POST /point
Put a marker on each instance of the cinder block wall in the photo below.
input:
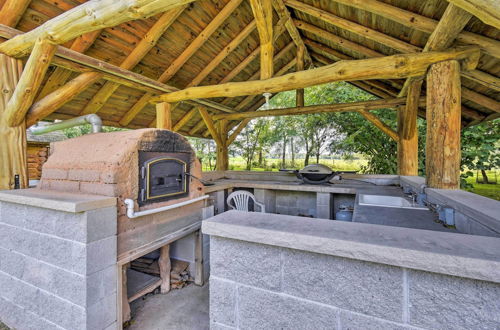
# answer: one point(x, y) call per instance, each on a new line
point(57, 269)
point(256, 286)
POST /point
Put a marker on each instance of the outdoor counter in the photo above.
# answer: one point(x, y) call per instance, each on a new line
point(271, 269)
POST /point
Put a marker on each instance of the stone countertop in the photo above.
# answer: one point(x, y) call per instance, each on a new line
point(389, 216)
point(468, 256)
point(349, 187)
point(56, 200)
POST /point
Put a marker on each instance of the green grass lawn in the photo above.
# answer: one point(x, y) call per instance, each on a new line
point(488, 190)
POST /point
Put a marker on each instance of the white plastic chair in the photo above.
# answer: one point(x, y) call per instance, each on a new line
point(241, 198)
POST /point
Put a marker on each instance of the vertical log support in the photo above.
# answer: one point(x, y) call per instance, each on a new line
point(165, 268)
point(12, 139)
point(299, 98)
point(222, 148)
point(408, 132)
point(443, 125)
point(263, 13)
point(164, 115)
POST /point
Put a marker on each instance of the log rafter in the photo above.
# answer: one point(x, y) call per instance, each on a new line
point(77, 62)
point(149, 40)
point(335, 55)
point(277, 32)
point(12, 11)
point(284, 13)
point(421, 23)
point(87, 17)
point(186, 54)
point(263, 13)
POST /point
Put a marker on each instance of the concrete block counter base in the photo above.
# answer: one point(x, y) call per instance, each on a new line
point(273, 271)
point(57, 260)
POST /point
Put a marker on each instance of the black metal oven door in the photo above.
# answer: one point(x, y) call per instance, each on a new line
point(163, 177)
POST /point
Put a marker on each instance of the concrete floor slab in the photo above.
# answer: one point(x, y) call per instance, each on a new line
point(181, 309)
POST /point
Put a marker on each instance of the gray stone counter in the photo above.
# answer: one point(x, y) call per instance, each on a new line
point(57, 260)
point(448, 253)
point(281, 272)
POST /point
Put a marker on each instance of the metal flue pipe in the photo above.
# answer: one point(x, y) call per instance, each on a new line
point(92, 119)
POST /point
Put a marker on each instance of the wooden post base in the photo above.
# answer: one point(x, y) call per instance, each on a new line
point(443, 125)
point(12, 139)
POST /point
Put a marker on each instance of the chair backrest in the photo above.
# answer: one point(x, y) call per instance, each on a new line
point(241, 198)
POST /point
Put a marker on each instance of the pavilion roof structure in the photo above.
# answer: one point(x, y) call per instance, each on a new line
point(120, 69)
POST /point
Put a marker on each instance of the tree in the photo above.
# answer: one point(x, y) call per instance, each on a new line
point(480, 148)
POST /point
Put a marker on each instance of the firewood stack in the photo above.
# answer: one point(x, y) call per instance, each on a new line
point(179, 274)
point(37, 156)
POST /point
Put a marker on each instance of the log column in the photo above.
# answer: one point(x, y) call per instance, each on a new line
point(222, 147)
point(164, 115)
point(12, 139)
point(443, 125)
point(408, 132)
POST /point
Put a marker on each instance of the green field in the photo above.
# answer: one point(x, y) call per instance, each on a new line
point(238, 164)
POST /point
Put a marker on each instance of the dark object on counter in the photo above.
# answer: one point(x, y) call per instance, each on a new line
point(316, 174)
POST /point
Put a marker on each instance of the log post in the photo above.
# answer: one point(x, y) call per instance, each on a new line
point(222, 148)
point(165, 268)
point(164, 116)
point(408, 132)
point(13, 143)
point(299, 97)
point(443, 125)
point(125, 305)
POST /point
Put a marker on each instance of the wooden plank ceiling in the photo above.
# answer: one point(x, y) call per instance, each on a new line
point(215, 41)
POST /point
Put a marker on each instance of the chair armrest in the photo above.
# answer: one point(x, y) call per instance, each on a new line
point(262, 207)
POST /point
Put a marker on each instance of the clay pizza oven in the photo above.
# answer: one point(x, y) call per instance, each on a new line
point(152, 167)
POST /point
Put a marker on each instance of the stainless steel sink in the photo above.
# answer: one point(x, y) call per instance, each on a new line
point(388, 201)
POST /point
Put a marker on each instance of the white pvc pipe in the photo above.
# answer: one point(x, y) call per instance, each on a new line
point(132, 214)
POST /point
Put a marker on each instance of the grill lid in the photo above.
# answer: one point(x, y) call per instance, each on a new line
point(316, 169)
point(316, 174)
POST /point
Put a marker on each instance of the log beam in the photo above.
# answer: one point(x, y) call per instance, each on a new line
point(487, 11)
point(185, 119)
point(263, 13)
point(341, 107)
point(12, 11)
point(379, 124)
point(408, 132)
point(443, 126)
point(210, 125)
point(389, 67)
point(60, 75)
point(61, 96)
point(87, 17)
point(12, 139)
point(29, 83)
point(164, 116)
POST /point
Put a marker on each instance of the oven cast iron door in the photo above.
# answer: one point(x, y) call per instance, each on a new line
point(163, 176)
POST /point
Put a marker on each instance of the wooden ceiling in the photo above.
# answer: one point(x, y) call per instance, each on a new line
point(215, 41)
